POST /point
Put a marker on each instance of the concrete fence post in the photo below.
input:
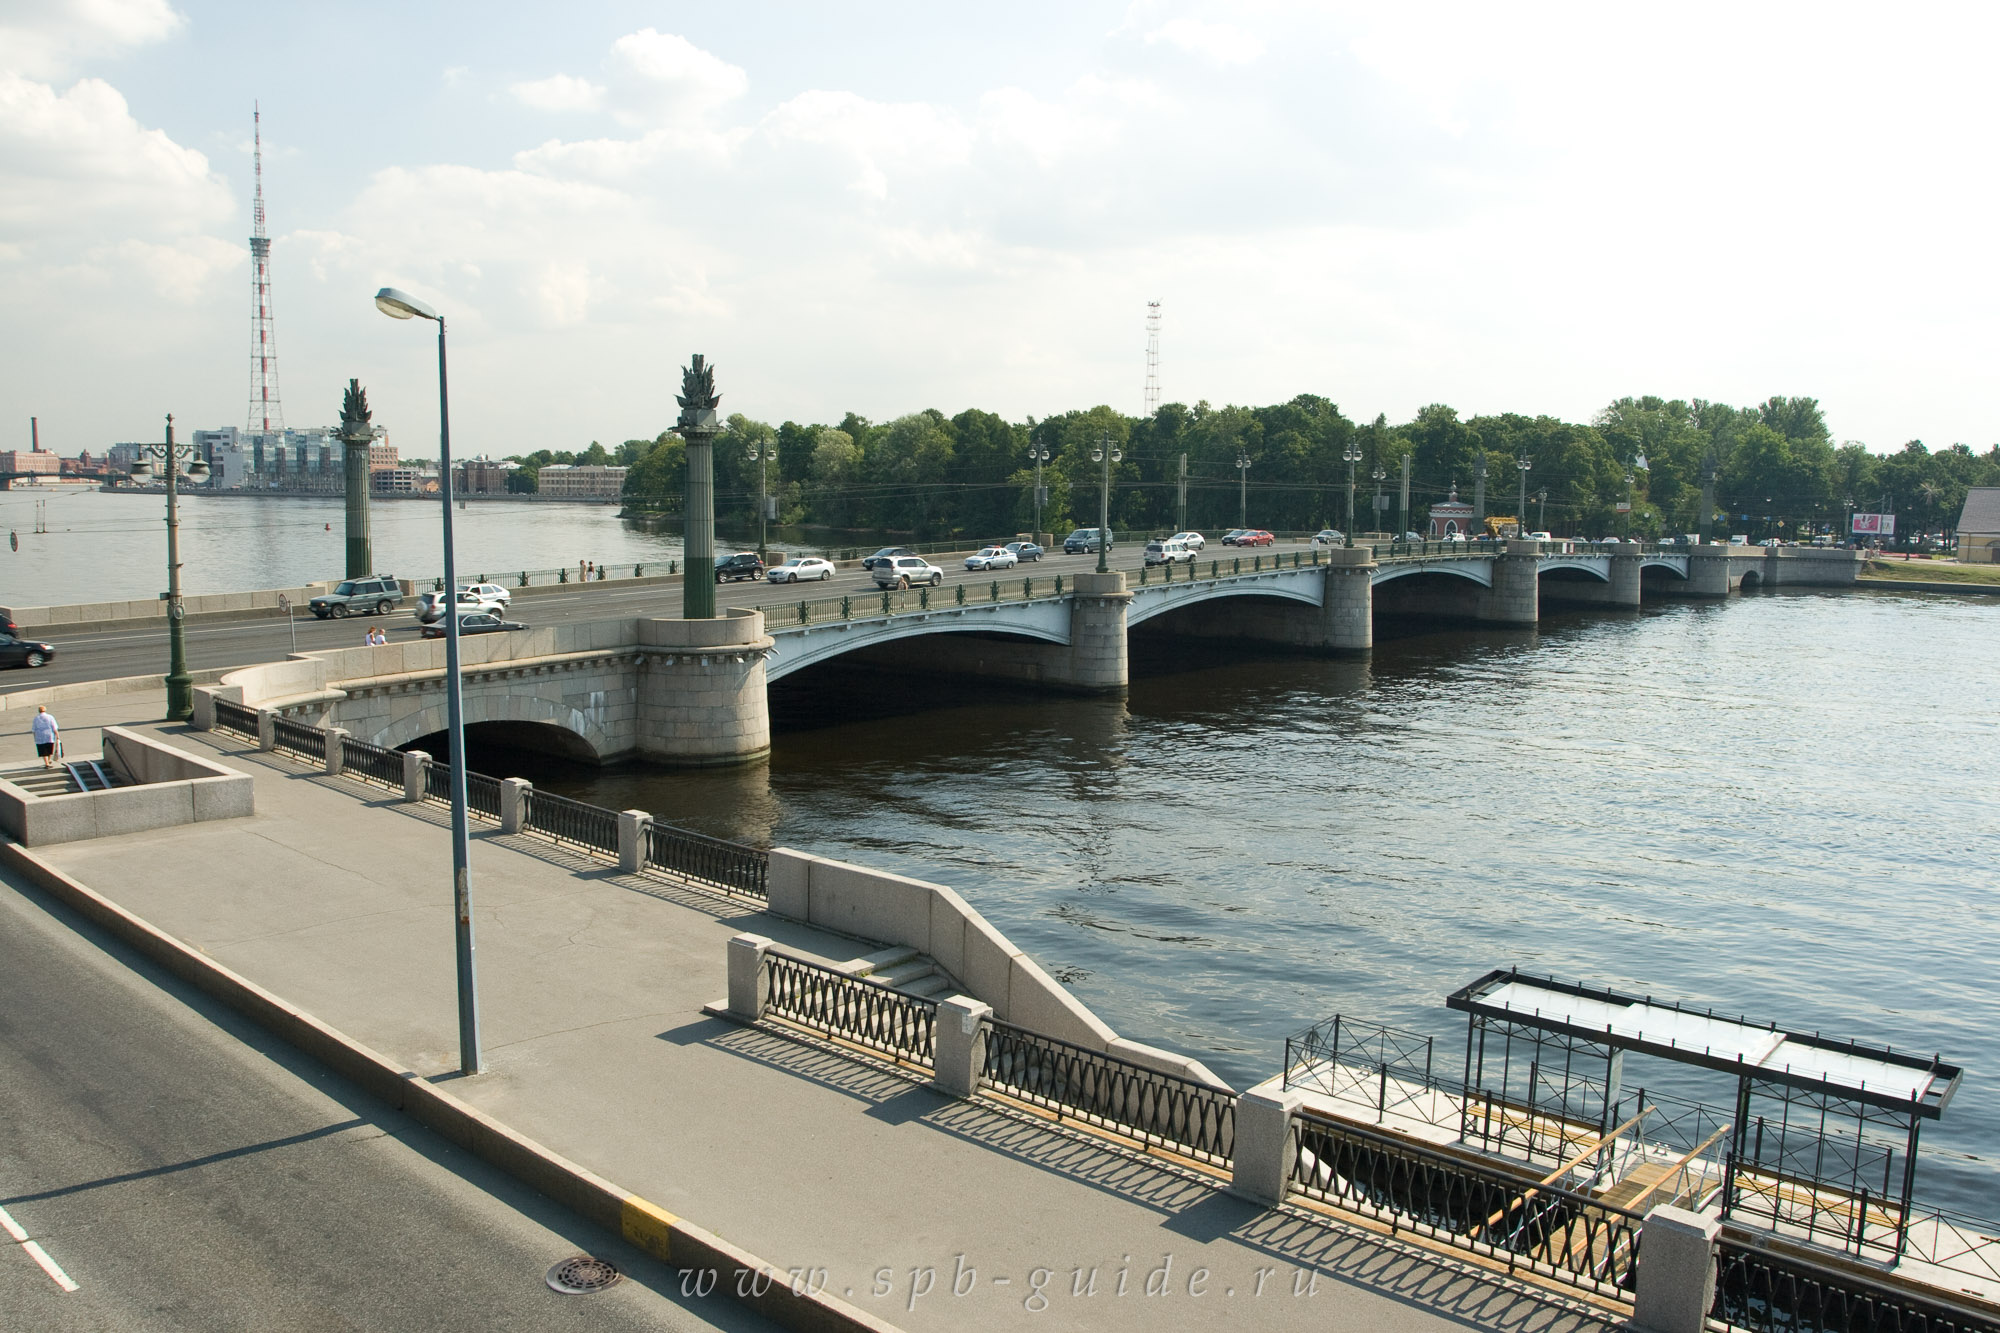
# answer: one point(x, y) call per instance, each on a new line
point(204, 711)
point(960, 1056)
point(632, 839)
point(749, 979)
point(513, 803)
point(1676, 1270)
point(336, 757)
point(415, 774)
point(267, 729)
point(1264, 1145)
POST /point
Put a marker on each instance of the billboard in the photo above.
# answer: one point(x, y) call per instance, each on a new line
point(1874, 525)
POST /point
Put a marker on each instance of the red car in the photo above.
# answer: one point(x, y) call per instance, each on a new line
point(1252, 537)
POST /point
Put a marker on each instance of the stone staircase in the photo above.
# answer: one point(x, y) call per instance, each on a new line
point(903, 969)
point(60, 780)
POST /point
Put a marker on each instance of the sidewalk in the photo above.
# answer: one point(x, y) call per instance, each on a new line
point(931, 1213)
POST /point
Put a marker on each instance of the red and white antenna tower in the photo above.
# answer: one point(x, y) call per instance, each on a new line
point(267, 414)
point(1152, 359)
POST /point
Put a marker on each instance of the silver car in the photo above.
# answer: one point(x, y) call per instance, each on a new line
point(904, 570)
point(992, 557)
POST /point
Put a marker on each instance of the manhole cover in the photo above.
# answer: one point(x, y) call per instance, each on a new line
point(582, 1275)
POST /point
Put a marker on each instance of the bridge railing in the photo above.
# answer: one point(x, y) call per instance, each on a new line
point(830, 1001)
point(236, 718)
point(571, 821)
point(1761, 1291)
point(307, 742)
point(714, 861)
point(1009, 587)
point(371, 763)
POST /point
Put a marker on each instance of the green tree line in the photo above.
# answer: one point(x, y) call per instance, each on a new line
point(1777, 470)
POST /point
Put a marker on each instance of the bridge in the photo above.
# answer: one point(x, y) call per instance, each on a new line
point(694, 692)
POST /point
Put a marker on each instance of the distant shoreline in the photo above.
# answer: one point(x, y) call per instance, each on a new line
point(341, 498)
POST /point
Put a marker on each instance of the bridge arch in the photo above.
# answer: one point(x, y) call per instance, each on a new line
point(800, 647)
point(1591, 566)
point(499, 706)
point(1287, 586)
point(1473, 571)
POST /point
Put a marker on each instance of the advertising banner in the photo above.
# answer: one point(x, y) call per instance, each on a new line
point(1874, 525)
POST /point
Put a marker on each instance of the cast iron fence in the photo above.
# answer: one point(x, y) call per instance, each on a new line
point(372, 763)
point(1160, 1109)
point(482, 794)
point(1552, 1231)
point(696, 856)
point(565, 820)
point(862, 1012)
point(1763, 1292)
point(297, 738)
point(235, 717)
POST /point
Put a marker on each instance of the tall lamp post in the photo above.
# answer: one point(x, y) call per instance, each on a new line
point(396, 305)
point(1106, 453)
point(1629, 479)
point(1542, 510)
point(1242, 488)
point(1038, 454)
point(180, 686)
point(1521, 512)
point(1380, 477)
point(762, 456)
point(1353, 455)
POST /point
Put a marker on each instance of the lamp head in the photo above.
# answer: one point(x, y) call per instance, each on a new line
point(397, 305)
point(141, 470)
point(197, 470)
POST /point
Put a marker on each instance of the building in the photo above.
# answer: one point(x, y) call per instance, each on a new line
point(1979, 526)
point(482, 476)
point(402, 481)
point(24, 460)
point(381, 454)
point(1450, 516)
point(580, 482)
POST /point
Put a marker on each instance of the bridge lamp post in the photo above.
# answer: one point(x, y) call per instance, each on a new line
point(1106, 453)
point(1380, 476)
point(180, 686)
point(396, 305)
point(1353, 455)
point(1038, 455)
point(763, 456)
point(1523, 463)
point(1542, 510)
point(1629, 479)
point(1242, 489)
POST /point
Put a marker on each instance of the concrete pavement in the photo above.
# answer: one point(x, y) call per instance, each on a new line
point(924, 1211)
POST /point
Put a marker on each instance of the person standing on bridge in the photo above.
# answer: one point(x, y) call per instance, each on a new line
point(47, 736)
point(376, 638)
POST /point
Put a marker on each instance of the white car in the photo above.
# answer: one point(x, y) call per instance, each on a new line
point(992, 557)
point(1192, 540)
point(905, 570)
point(430, 605)
point(487, 592)
point(801, 567)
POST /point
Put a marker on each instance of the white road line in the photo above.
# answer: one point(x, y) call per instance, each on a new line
point(36, 1252)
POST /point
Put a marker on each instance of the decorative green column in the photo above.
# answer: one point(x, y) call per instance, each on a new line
point(355, 438)
point(699, 425)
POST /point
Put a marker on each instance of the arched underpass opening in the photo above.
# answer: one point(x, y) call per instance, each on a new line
point(1414, 605)
point(920, 674)
point(538, 751)
point(1218, 631)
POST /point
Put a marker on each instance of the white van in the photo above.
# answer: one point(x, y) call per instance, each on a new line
point(1172, 551)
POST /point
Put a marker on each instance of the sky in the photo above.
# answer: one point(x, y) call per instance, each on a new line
point(884, 207)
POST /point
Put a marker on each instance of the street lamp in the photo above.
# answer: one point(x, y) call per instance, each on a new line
point(1106, 453)
point(1380, 476)
point(398, 306)
point(762, 456)
point(1038, 455)
point(1353, 455)
point(1523, 463)
point(1242, 488)
point(1629, 479)
point(180, 686)
point(1542, 510)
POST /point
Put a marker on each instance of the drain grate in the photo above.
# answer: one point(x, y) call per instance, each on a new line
point(582, 1275)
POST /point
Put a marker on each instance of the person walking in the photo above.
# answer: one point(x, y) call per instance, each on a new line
point(376, 638)
point(47, 736)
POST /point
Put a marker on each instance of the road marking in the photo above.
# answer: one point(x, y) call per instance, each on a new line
point(36, 1252)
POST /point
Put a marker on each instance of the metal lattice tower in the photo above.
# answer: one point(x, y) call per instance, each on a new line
point(267, 414)
point(1152, 358)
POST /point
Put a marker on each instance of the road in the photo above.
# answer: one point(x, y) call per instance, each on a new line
point(183, 1170)
point(106, 654)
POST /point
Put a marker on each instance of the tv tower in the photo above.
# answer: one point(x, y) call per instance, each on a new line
point(1152, 359)
point(266, 413)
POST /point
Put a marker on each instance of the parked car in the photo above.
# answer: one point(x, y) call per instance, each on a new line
point(742, 565)
point(904, 570)
point(886, 553)
point(473, 622)
point(430, 605)
point(800, 568)
point(24, 652)
point(1193, 540)
point(1329, 537)
point(1171, 551)
point(378, 594)
point(488, 592)
point(1084, 541)
point(992, 557)
point(1254, 537)
point(1025, 551)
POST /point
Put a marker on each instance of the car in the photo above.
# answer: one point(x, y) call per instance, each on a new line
point(1452, 537)
point(1084, 541)
point(800, 568)
point(1254, 537)
point(430, 605)
point(24, 652)
point(473, 622)
point(742, 565)
point(1329, 537)
point(886, 553)
point(488, 592)
point(1413, 536)
point(1194, 541)
point(1169, 551)
point(904, 570)
point(1025, 551)
point(378, 594)
point(1229, 537)
point(991, 558)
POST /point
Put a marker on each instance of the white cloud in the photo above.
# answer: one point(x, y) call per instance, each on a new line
point(1220, 43)
point(183, 271)
point(876, 138)
point(45, 38)
point(559, 92)
point(662, 77)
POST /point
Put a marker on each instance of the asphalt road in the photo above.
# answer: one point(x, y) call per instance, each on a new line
point(185, 1171)
point(106, 654)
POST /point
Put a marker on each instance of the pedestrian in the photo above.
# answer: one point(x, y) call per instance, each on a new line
point(582, 570)
point(376, 638)
point(47, 736)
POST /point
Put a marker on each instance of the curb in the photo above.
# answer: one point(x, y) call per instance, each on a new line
point(590, 1196)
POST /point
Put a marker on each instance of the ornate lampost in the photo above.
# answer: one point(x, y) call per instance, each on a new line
point(1038, 454)
point(1629, 479)
point(1479, 486)
point(1106, 453)
point(1353, 455)
point(1542, 510)
point(1380, 476)
point(180, 686)
point(1708, 470)
point(763, 456)
point(1242, 488)
point(699, 425)
point(356, 436)
point(1523, 463)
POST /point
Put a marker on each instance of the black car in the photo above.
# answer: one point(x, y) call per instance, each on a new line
point(742, 565)
point(476, 622)
point(24, 652)
point(886, 553)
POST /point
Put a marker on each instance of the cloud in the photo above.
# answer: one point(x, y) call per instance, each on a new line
point(1220, 43)
point(875, 138)
point(45, 38)
point(559, 92)
point(660, 77)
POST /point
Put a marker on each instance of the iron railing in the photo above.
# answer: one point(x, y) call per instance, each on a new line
point(696, 856)
point(859, 1011)
point(1955, 1242)
point(235, 717)
point(1567, 1236)
point(372, 763)
point(437, 782)
point(307, 742)
point(565, 820)
point(482, 794)
point(1159, 1109)
point(1763, 1292)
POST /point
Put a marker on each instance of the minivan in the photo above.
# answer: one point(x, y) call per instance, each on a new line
point(1084, 540)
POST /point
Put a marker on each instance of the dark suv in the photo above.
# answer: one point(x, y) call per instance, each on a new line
point(742, 565)
point(378, 593)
